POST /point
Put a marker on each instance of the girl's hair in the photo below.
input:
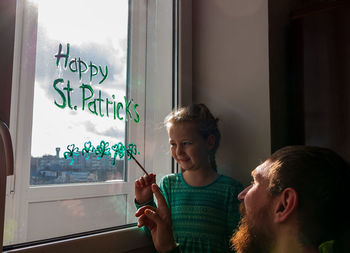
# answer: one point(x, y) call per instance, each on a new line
point(204, 121)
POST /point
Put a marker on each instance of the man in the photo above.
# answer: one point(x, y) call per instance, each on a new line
point(296, 203)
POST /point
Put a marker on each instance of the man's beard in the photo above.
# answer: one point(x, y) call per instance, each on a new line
point(253, 235)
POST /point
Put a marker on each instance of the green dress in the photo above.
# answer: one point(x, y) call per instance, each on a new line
point(203, 217)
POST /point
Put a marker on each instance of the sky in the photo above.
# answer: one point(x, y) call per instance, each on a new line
point(97, 33)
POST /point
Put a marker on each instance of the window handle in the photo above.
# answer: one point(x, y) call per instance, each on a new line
point(5, 138)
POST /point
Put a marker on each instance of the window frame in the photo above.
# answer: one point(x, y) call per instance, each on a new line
point(21, 116)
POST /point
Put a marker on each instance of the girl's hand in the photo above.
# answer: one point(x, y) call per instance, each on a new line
point(143, 190)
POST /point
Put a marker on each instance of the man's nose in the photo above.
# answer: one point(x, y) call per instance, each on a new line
point(242, 194)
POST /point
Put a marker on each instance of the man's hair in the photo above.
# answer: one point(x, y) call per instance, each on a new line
point(320, 178)
point(203, 119)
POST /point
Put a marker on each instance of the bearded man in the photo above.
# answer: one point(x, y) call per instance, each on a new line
point(295, 204)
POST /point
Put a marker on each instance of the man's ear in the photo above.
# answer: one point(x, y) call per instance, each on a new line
point(211, 141)
point(285, 205)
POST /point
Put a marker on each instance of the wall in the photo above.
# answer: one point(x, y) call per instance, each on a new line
point(231, 76)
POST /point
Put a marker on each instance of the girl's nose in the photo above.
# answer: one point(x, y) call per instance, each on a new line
point(179, 150)
point(242, 194)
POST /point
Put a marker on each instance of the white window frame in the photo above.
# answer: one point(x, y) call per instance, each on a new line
point(154, 71)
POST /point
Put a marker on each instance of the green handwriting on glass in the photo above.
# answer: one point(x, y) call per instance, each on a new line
point(101, 150)
point(90, 99)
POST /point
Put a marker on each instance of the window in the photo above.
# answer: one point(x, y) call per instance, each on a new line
point(92, 82)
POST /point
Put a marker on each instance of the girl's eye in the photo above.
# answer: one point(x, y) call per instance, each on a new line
point(172, 144)
point(187, 143)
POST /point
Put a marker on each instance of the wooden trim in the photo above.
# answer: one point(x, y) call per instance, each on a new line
point(318, 8)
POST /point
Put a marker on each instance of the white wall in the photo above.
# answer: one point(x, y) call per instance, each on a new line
point(231, 76)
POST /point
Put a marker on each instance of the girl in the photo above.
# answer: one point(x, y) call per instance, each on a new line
point(203, 203)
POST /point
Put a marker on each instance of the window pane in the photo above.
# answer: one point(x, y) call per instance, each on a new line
point(80, 97)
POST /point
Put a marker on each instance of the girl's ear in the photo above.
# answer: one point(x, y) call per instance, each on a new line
point(211, 141)
point(285, 205)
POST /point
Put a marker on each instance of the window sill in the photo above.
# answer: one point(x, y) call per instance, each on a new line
point(124, 240)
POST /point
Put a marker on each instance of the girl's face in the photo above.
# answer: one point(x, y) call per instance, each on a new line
point(188, 148)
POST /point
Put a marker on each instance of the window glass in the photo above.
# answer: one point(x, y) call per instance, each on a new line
point(80, 103)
